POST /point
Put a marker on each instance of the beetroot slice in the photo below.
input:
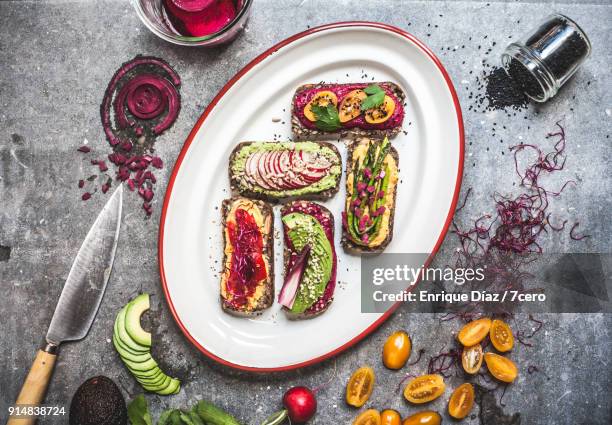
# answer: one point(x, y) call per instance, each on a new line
point(294, 278)
point(144, 100)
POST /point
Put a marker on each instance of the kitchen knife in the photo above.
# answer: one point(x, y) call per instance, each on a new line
point(78, 303)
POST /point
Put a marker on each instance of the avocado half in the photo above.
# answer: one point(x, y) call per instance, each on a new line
point(98, 401)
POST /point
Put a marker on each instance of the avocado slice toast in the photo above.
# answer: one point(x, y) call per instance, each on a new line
point(309, 279)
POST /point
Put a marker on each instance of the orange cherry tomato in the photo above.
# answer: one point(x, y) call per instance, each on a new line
point(322, 98)
point(360, 386)
point(390, 417)
point(501, 367)
point(501, 336)
point(350, 106)
point(474, 332)
point(461, 401)
point(471, 359)
point(369, 417)
point(427, 417)
point(381, 113)
point(396, 350)
point(423, 389)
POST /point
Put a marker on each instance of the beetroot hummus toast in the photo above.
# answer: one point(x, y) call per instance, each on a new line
point(309, 260)
point(247, 281)
point(275, 171)
point(333, 111)
point(371, 187)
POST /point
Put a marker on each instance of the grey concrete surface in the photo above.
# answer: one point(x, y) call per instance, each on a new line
point(56, 58)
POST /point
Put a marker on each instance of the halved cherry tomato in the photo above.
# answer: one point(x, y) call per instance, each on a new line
point(360, 386)
point(471, 359)
point(423, 389)
point(369, 417)
point(322, 98)
point(390, 417)
point(501, 336)
point(381, 113)
point(461, 401)
point(350, 107)
point(501, 367)
point(396, 350)
point(427, 417)
point(474, 332)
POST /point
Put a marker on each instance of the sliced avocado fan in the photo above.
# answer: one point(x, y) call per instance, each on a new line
point(133, 344)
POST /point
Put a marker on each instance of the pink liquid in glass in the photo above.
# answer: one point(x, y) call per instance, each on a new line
point(198, 18)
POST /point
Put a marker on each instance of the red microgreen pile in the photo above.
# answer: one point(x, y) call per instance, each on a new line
point(145, 101)
point(503, 242)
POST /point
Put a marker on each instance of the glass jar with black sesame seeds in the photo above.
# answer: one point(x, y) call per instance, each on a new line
point(542, 61)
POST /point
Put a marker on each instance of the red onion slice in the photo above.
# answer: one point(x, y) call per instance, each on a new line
point(294, 277)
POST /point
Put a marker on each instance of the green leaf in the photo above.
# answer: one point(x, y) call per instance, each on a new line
point(138, 411)
point(373, 89)
point(376, 96)
point(327, 117)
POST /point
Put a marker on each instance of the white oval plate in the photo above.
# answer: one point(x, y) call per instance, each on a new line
point(190, 240)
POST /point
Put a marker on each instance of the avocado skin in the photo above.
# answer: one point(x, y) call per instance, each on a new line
point(98, 401)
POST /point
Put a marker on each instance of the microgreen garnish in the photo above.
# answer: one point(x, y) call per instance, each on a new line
point(375, 98)
point(327, 117)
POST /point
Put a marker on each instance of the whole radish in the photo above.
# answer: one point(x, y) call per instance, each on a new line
point(301, 404)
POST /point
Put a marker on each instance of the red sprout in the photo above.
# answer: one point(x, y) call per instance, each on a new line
point(81, 184)
point(502, 242)
point(418, 359)
point(576, 237)
point(84, 149)
point(521, 337)
point(86, 196)
point(404, 379)
point(443, 362)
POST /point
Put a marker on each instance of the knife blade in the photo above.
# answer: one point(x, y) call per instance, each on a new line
point(86, 282)
point(78, 304)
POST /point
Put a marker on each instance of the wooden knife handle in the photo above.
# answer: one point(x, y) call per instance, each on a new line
point(35, 385)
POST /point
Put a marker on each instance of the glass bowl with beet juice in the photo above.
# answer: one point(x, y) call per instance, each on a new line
point(194, 22)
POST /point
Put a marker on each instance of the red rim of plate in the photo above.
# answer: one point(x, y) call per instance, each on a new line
point(203, 117)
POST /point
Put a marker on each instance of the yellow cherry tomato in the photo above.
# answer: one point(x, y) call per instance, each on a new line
point(390, 417)
point(501, 367)
point(396, 350)
point(474, 332)
point(471, 359)
point(423, 389)
point(322, 98)
point(461, 401)
point(381, 113)
point(426, 417)
point(501, 336)
point(360, 386)
point(369, 417)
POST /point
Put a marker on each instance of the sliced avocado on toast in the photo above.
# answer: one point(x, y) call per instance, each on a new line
point(133, 344)
point(308, 230)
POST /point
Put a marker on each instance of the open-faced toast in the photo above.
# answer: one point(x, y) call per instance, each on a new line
point(334, 111)
point(275, 171)
point(309, 260)
point(247, 278)
point(371, 188)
